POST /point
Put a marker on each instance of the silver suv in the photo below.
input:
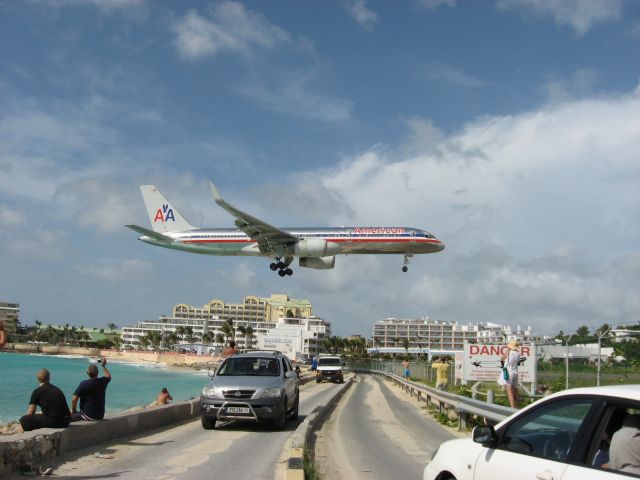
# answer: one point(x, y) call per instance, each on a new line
point(255, 386)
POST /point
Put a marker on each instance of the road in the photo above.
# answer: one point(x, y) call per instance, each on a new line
point(377, 432)
point(233, 450)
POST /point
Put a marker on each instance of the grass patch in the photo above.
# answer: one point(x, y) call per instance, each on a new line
point(310, 471)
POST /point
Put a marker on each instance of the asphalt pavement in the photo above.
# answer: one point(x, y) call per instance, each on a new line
point(232, 450)
point(377, 432)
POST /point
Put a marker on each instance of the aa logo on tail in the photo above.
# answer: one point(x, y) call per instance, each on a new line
point(164, 214)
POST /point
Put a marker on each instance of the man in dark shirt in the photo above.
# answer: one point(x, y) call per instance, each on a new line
point(55, 411)
point(91, 393)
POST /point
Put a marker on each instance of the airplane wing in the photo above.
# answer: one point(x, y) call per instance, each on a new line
point(150, 233)
point(270, 239)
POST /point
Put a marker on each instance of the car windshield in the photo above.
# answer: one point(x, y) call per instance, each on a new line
point(329, 362)
point(258, 366)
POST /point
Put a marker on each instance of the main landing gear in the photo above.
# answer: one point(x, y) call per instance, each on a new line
point(282, 267)
point(406, 262)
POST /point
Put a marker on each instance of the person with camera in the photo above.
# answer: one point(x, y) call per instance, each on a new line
point(92, 394)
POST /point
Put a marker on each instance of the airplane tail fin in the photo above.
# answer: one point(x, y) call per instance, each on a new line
point(162, 215)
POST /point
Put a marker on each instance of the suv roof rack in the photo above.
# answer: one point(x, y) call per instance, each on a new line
point(273, 352)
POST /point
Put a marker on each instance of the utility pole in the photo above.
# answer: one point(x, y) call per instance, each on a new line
point(566, 362)
point(600, 336)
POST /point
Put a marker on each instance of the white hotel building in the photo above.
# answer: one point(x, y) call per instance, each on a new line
point(297, 328)
point(430, 336)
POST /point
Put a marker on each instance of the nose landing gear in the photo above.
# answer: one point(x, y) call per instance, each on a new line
point(406, 262)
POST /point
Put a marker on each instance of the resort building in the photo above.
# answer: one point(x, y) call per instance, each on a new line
point(9, 314)
point(296, 337)
point(425, 335)
point(193, 323)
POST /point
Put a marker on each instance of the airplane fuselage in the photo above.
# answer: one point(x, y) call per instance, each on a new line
point(339, 240)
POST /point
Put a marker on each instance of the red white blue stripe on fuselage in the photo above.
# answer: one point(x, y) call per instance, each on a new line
point(351, 240)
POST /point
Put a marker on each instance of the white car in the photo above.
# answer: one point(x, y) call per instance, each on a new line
point(564, 436)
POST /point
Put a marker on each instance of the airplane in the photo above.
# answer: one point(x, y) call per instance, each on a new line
point(315, 247)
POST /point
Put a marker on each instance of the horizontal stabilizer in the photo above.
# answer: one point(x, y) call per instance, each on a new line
point(150, 233)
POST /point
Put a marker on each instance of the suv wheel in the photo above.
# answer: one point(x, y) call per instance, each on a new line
point(282, 419)
point(208, 423)
point(294, 413)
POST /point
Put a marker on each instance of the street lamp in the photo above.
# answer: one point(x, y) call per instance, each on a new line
point(600, 336)
point(566, 362)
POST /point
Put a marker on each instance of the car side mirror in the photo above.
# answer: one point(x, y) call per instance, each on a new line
point(486, 436)
point(290, 374)
point(212, 373)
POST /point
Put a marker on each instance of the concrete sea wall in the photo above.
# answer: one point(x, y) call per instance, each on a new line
point(33, 449)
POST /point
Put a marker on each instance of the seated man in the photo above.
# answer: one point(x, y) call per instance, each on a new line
point(624, 451)
point(55, 411)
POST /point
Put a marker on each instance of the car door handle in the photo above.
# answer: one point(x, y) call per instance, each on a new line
point(544, 475)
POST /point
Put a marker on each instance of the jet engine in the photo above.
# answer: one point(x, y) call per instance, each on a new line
point(319, 263)
point(316, 247)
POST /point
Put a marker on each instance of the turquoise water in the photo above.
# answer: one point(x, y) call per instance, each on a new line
point(131, 384)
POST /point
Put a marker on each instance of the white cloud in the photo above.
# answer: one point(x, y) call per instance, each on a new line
point(581, 84)
point(540, 213)
point(294, 95)
point(446, 73)
point(433, 4)
point(99, 202)
point(231, 28)
point(580, 15)
point(9, 217)
point(103, 4)
point(116, 271)
point(362, 15)
point(41, 243)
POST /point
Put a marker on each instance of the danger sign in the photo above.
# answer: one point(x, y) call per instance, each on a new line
point(482, 363)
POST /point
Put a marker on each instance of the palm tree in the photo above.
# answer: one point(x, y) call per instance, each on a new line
point(189, 334)
point(228, 330)
point(219, 339)
point(208, 337)
point(405, 345)
point(171, 338)
point(180, 331)
point(112, 327)
point(247, 333)
point(155, 338)
point(144, 341)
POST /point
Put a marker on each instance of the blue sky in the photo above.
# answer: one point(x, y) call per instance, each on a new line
point(510, 129)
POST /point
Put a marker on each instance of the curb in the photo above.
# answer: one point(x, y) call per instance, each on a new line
point(300, 438)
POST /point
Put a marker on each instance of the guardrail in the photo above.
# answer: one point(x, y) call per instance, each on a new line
point(463, 406)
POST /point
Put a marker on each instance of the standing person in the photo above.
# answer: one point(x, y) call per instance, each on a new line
point(314, 364)
point(405, 369)
point(55, 411)
point(511, 359)
point(441, 366)
point(232, 349)
point(92, 394)
point(163, 397)
point(3, 334)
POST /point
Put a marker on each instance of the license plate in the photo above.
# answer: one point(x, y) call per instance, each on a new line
point(237, 409)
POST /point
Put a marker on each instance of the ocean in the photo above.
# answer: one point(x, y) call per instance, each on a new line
point(131, 384)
